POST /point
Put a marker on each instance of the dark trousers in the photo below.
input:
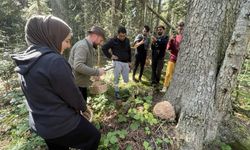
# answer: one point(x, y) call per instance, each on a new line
point(85, 137)
point(157, 66)
point(84, 92)
point(140, 59)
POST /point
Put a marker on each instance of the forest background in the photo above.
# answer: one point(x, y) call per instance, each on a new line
point(130, 127)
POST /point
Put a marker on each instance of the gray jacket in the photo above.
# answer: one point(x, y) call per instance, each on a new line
point(82, 60)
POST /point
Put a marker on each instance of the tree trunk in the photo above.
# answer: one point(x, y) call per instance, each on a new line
point(123, 8)
point(58, 9)
point(115, 15)
point(202, 98)
point(38, 7)
point(159, 12)
point(141, 14)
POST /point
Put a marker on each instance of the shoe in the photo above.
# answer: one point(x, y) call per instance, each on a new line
point(140, 80)
point(153, 83)
point(164, 89)
point(135, 80)
point(117, 95)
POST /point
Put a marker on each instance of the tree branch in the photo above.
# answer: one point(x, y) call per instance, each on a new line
point(160, 17)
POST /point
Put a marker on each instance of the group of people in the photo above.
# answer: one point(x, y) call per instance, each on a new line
point(56, 89)
point(160, 44)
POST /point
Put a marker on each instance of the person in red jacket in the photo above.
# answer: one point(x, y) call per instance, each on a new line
point(173, 46)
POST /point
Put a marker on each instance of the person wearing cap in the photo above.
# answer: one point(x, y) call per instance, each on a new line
point(82, 59)
point(121, 56)
point(158, 47)
point(173, 46)
point(53, 100)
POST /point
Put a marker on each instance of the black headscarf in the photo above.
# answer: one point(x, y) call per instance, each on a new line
point(48, 31)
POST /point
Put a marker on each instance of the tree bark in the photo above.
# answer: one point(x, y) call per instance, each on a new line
point(159, 12)
point(202, 99)
point(115, 15)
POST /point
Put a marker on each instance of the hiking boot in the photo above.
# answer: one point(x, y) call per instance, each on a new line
point(117, 95)
point(164, 89)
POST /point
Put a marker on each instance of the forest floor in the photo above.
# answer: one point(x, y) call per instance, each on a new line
point(129, 125)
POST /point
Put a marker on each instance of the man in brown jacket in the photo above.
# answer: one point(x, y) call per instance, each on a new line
point(82, 59)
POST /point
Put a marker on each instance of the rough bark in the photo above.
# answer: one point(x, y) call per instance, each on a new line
point(204, 86)
point(123, 7)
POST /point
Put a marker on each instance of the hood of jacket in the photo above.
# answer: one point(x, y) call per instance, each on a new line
point(25, 61)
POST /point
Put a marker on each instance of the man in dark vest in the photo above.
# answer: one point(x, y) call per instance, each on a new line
point(158, 47)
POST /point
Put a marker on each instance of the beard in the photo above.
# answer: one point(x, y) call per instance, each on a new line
point(160, 33)
point(95, 45)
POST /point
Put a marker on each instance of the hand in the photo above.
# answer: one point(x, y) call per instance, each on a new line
point(139, 43)
point(97, 78)
point(114, 57)
point(129, 65)
point(154, 39)
point(172, 37)
point(101, 71)
point(87, 114)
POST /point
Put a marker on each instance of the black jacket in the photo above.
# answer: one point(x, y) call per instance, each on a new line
point(53, 99)
point(119, 48)
point(159, 47)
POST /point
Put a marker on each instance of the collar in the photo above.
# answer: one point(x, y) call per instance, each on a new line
point(89, 41)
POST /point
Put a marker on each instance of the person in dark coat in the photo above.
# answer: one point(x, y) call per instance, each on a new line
point(158, 47)
point(54, 102)
point(142, 44)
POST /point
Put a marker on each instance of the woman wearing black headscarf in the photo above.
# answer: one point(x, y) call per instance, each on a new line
point(53, 100)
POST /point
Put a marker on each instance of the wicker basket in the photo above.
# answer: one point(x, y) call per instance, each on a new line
point(98, 87)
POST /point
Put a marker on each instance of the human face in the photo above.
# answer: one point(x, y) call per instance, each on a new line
point(66, 43)
point(144, 31)
point(98, 40)
point(180, 29)
point(160, 31)
point(121, 36)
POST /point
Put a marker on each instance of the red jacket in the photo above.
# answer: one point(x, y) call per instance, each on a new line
point(174, 46)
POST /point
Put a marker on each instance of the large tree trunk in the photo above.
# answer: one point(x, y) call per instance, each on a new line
point(202, 99)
